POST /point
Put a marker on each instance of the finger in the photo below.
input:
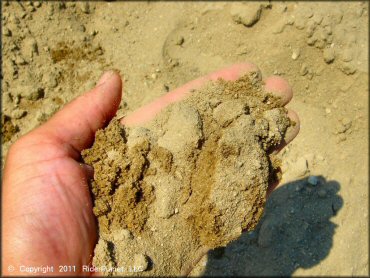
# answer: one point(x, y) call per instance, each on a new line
point(279, 87)
point(147, 112)
point(291, 132)
point(78, 121)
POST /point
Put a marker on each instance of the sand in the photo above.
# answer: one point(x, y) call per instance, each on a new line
point(321, 48)
point(198, 172)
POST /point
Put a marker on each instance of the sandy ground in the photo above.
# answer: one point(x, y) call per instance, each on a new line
point(316, 223)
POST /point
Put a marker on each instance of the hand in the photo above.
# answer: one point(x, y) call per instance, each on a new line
point(47, 207)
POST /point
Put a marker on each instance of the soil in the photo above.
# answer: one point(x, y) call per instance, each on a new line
point(199, 171)
point(316, 222)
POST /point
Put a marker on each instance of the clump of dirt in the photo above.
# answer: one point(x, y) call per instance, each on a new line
point(8, 129)
point(198, 172)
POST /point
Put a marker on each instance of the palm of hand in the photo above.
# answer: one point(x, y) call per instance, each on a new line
point(54, 209)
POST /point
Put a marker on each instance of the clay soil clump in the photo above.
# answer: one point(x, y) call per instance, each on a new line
point(192, 179)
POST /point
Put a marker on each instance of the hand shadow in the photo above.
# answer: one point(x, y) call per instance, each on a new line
point(295, 231)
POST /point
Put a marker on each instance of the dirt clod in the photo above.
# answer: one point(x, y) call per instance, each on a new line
point(199, 171)
point(246, 15)
point(8, 129)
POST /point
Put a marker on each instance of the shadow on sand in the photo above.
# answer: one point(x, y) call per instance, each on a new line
point(294, 232)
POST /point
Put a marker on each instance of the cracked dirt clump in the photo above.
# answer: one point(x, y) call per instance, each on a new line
point(191, 179)
point(8, 129)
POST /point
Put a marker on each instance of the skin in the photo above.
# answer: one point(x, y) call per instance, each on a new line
point(47, 208)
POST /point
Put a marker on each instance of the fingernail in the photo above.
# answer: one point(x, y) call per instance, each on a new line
point(105, 77)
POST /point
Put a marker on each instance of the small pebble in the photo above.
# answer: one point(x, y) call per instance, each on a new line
point(99, 52)
point(320, 43)
point(313, 180)
point(242, 50)
point(323, 34)
point(341, 137)
point(248, 14)
point(344, 126)
point(18, 113)
point(327, 110)
point(23, 14)
point(90, 84)
point(347, 122)
point(279, 28)
point(311, 41)
point(19, 60)
point(310, 30)
point(283, 8)
point(180, 40)
point(304, 70)
point(321, 193)
point(7, 32)
point(326, 21)
point(35, 94)
point(346, 55)
point(29, 48)
point(296, 54)
point(300, 23)
point(308, 13)
point(301, 167)
point(299, 187)
point(320, 157)
point(123, 234)
point(50, 80)
point(347, 68)
point(289, 21)
point(17, 99)
point(141, 262)
point(317, 18)
point(328, 30)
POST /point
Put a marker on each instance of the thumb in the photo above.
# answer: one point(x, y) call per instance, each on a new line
point(78, 121)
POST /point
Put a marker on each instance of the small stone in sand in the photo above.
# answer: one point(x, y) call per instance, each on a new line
point(313, 180)
point(328, 55)
point(246, 14)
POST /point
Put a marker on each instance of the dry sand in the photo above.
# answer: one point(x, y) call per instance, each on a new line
point(316, 223)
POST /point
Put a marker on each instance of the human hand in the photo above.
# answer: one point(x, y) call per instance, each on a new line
point(47, 207)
